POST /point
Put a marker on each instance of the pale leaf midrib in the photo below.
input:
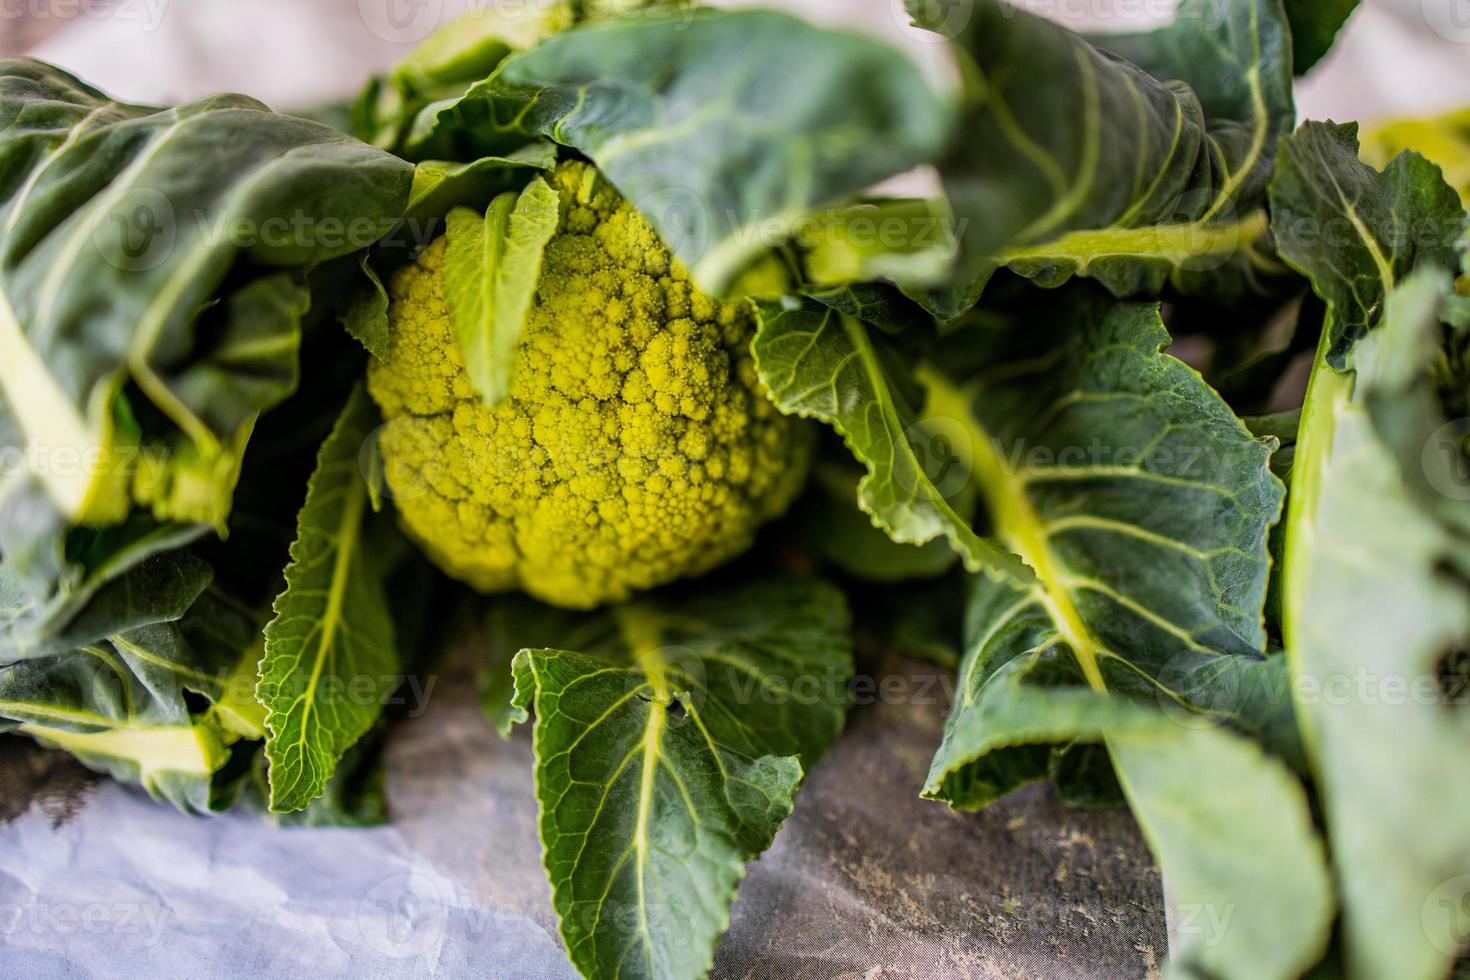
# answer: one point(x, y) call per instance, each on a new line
point(48, 417)
point(1018, 523)
point(1262, 123)
point(1328, 391)
point(641, 631)
point(1173, 243)
point(172, 748)
point(348, 532)
point(493, 231)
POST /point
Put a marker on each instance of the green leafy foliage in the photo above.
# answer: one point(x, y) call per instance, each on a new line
point(129, 576)
point(1355, 232)
point(330, 653)
point(1314, 26)
point(1136, 501)
point(119, 702)
point(1120, 598)
point(669, 745)
point(1038, 493)
point(838, 531)
point(1375, 583)
point(116, 325)
point(660, 102)
point(1106, 170)
point(819, 362)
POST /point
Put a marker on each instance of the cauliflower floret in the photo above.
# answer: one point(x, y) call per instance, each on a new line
point(637, 445)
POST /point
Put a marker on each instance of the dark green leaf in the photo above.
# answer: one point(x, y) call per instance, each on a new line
point(1354, 231)
point(119, 227)
point(1069, 161)
point(132, 575)
point(720, 154)
point(330, 655)
point(878, 305)
point(366, 316)
point(669, 759)
point(818, 362)
point(1376, 594)
point(355, 795)
point(1314, 26)
point(1137, 502)
point(118, 704)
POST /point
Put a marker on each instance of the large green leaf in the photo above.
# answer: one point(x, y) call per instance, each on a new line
point(1069, 161)
point(330, 653)
point(819, 362)
point(119, 704)
point(682, 112)
point(1355, 232)
point(1120, 601)
point(1376, 592)
point(151, 291)
point(1139, 504)
point(492, 263)
point(1314, 26)
point(128, 576)
point(1233, 835)
point(669, 746)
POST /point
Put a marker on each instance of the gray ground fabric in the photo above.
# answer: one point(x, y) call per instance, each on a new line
point(865, 881)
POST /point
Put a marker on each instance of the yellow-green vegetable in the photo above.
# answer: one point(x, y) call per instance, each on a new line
point(637, 445)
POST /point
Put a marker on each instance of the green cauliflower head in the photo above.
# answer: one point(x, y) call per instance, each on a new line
point(637, 445)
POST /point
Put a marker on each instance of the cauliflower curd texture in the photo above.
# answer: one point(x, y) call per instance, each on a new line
point(637, 445)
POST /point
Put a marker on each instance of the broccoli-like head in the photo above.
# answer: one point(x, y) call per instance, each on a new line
point(637, 445)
